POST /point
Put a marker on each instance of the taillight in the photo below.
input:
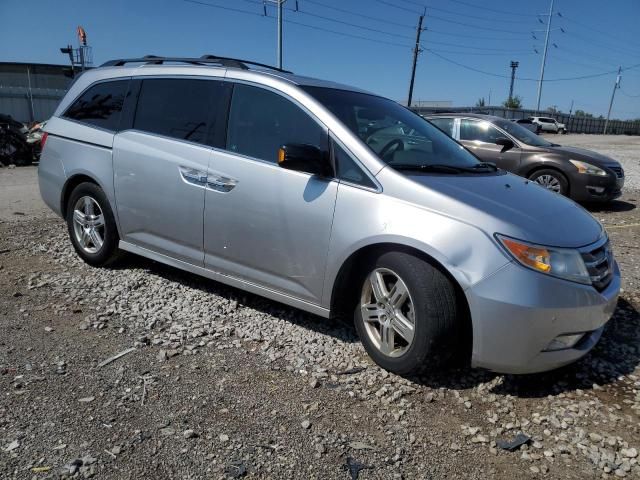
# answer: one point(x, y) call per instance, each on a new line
point(43, 141)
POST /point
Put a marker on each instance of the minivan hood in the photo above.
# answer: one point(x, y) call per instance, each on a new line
point(589, 156)
point(514, 206)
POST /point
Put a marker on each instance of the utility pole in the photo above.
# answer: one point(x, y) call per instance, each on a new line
point(613, 94)
point(544, 56)
point(278, 4)
point(514, 65)
point(416, 51)
point(489, 98)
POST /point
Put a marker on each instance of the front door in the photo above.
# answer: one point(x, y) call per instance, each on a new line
point(265, 224)
point(480, 137)
point(160, 165)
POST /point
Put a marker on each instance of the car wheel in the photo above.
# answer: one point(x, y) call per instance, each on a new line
point(92, 227)
point(408, 317)
point(551, 180)
point(562, 131)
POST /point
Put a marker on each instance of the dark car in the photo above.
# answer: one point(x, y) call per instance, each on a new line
point(529, 125)
point(580, 174)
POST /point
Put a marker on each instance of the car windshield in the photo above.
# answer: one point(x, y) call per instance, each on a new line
point(399, 137)
point(522, 134)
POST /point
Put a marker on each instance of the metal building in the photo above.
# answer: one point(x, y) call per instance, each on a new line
point(31, 91)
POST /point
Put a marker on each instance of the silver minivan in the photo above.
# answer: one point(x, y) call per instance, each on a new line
point(332, 200)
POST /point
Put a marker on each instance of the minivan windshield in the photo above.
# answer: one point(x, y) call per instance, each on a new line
point(522, 134)
point(399, 137)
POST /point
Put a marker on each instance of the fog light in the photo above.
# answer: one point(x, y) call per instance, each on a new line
point(596, 190)
point(562, 342)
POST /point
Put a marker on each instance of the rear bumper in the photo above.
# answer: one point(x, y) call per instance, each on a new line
point(517, 313)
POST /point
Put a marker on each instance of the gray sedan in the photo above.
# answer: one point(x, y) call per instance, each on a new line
point(580, 174)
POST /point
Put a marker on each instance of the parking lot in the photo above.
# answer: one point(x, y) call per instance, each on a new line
point(218, 383)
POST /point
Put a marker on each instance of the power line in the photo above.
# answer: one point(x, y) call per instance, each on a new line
point(493, 10)
point(399, 7)
point(509, 53)
point(342, 22)
point(446, 20)
point(582, 77)
point(351, 35)
point(476, 37)
point(359, 14)
point(628, 94)
point(617, 39)
point(314, 27)
point(469, 47)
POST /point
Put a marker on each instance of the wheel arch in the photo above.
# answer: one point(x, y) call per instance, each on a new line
point(345, 288)
point(70, 184)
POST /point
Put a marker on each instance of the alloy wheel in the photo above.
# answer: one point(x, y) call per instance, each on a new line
point(388, 312)
point(88, 224)
point(549, 182)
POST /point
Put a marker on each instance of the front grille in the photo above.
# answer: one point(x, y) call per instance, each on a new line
point(599, 263)
point(618, 171)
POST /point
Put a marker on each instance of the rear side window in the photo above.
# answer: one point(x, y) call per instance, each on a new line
point(100, 105)
point(444, 124)
point(260, 122)
point(185, 109)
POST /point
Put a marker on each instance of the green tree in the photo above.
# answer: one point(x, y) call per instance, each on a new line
point(513, 102)
point(582, 113)
point(480, 102)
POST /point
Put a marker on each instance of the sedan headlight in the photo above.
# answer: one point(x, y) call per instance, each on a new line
point(563, 263)
point(584, 167)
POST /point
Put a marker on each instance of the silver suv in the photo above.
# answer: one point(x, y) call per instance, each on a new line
point(332, 200)
point(548, 124)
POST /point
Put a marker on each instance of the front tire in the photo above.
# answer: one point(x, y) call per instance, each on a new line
point(408, 316)
point(551, 180)
point(92, 226)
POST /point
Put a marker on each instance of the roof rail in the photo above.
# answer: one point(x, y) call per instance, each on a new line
point(203, 60)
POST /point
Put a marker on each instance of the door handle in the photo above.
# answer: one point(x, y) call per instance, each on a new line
point(193, 176)
point(220, 183)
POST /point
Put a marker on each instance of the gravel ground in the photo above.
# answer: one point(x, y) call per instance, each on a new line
point(218, 383)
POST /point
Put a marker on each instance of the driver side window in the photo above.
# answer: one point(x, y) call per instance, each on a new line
point(479, 131)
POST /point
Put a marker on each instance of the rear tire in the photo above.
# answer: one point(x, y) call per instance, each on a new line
point(551, 180)
point(408, 317)
point(92, 226)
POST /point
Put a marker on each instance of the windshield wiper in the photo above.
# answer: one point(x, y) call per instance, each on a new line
point(481, 165)
point(436, 167)
point(442, 168)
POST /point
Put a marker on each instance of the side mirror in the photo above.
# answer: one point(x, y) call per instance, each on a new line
point(507, 144)
point(304, 158)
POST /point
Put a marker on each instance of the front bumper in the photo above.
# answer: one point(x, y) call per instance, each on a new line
point(592, 188)
point(517, 313)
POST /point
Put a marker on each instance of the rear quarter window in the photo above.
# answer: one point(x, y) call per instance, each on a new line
point(100, 105)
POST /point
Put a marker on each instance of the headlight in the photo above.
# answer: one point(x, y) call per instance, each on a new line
point(558, 262)
point(584, 167)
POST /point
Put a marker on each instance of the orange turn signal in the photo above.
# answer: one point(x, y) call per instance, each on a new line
point(281, 155)
point(535, 257)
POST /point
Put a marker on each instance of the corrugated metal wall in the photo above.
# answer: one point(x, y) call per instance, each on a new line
point(31, 92)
